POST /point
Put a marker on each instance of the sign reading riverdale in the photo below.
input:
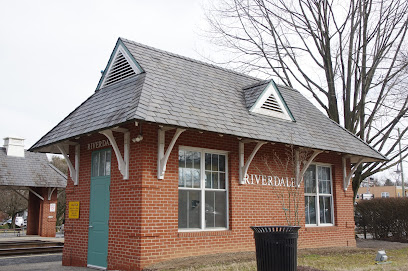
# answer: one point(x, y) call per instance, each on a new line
point(270, 180)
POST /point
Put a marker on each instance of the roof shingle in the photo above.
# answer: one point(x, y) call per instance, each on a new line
point(179, 91)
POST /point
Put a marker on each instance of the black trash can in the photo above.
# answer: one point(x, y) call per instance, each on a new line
point(276, 247)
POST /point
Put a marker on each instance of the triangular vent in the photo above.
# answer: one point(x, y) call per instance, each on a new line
point(272, 104)
point(119, 70)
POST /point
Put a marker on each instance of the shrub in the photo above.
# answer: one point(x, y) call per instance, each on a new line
point(384, 218)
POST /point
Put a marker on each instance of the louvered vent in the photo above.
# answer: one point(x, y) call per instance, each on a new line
point(119, 70)
point(272, 104)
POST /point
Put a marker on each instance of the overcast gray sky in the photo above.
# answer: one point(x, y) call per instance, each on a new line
point(52, 52)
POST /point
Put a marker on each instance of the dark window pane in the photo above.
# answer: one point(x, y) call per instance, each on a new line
point(310, 179)
point(214, 183)
point(215, 209)
point(325, 210)
point(214, 162)
point(102, 164)
point(222, 163)
point(324, 180)
point(189, 159)
point(188, 177)
point(181, 178)
point(108, 163)
point(207, 161)
point(182, 209)
point(197, 159)
point(196, 178)
point(182, 159)
point(189, 209)
point(310, 210)
point(222, 180)
point(208, 179)
point(95, 163)
point(220, 209)
point(209, 210)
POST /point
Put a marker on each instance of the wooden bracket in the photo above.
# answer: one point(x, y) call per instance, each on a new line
point(123, 162)
point(73, 171)
point(301, 173)
point(347, 178)
point(50, 191)
point(243, 166)
point(18, 193)
point(35, 193)
point(161, 156)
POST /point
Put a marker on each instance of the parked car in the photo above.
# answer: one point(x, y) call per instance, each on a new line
point(5, 222)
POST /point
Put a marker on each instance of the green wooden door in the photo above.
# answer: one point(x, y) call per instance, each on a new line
point(99, 209)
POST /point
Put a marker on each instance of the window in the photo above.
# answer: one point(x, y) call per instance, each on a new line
point(385, 194)
point(101, 163)
point(203, 190)
point(318, 195)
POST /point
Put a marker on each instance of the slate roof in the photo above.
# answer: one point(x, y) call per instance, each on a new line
point(251, 93)
point(33, 170)
point(178, 91)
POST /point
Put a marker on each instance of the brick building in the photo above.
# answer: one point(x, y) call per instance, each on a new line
point(24, 170)
point(390, 191)
point(172, 157)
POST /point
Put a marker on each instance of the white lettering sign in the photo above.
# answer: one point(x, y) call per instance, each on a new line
point(270, 180)
point(98, 144)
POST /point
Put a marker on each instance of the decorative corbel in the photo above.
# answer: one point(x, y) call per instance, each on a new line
point(123, 162)
point(347, 178)
point(73, 171)
point(161, 156)
point(50, 191)
point(243, 166)
point(301, 173)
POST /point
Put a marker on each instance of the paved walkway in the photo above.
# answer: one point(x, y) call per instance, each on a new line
point(43, 262)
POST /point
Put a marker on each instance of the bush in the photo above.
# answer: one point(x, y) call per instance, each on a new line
point(384, 218)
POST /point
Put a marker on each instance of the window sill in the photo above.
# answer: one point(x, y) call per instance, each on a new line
point(320, 228)
point(200, 233)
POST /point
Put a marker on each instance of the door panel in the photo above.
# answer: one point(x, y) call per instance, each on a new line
point(99, 210)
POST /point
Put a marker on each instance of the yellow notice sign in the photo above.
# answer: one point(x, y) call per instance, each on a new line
point(73, 210)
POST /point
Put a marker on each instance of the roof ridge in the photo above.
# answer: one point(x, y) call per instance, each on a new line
point(263, 82)
point(188, 58)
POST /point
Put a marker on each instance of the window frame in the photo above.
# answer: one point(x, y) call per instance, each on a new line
point(318, 194)
point(385, 194)
point(203, 189)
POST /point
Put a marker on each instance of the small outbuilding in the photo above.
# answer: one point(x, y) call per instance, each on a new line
point(24, 170)
point(173, 157)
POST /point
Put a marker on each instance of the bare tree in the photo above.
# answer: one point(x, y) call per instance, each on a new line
point(351, 56)
point(12, 203)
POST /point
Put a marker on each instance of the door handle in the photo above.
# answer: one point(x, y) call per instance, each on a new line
point(90, 226)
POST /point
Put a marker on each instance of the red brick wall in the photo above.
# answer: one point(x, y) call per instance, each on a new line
point(143, 225)
point(40, 220)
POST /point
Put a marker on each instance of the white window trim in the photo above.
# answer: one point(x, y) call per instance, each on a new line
point(386, 194)
point(318, 224)
point(203, 189)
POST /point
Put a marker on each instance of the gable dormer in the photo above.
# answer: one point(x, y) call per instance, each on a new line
point(121, 65)
point(265, 99)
